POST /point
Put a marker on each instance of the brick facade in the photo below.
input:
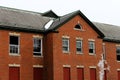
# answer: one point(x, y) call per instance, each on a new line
point(54, 63)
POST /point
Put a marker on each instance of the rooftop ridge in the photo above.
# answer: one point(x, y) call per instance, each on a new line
point(20, 10)
point(106, 24)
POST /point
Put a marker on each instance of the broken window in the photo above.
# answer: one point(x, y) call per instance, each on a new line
point(14, 44)
point(118, 52)
point(37, 47)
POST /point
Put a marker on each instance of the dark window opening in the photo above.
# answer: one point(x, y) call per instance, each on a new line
point(14, 44)
point(14, 40)
point(91, 51)
point(37, 46)
point(118, 53)
point(78, 26)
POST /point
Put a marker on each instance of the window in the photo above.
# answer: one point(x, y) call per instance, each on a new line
point(118, 52)
point(91, 47)
point(38, 73)
point(65, 44)
point(66, 73)
point(37, 51)
point(78, 27)
point(14, 73)
point(104, 52)
point(14, 45)
point(92, 74)
point(80, 74)
point(118, 75)
point(79, 46)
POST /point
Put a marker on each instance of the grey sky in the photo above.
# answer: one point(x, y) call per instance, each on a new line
point(104, 11)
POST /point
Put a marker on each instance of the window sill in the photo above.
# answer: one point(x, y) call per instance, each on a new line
point(92, 54)
point(118, 61)
point(66, 52)
point(13, 54)
point(38, 56)
point(79, 29)
point(79, 53)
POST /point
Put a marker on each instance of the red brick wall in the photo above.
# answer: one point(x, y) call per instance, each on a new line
point(73, 59)
point(26, 59)
point(48, 56)
point(111, 60)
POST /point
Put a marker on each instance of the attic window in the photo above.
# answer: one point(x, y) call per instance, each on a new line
point(78, 27)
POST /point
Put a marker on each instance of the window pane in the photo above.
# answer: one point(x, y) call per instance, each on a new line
point(118, 50)
point(65, 44)
point(79, 46)
point(91, 47)
point(14, 40)
point(37, 46)
point(14, 44)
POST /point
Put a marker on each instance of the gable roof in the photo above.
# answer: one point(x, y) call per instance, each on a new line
point(111, 32)
point(21, 19)
point(62, 20)
point(51, 14)
point(28, 21)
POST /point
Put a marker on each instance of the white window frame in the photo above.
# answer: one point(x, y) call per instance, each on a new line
point(18, 46)
point(93, 48)
point(79, 52)
point(117, 53)
point(40, 47)
point(68, 46)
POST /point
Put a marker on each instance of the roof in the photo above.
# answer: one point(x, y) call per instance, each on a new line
point(51, 14)
point(21, 19)
point(63, 19)
point(111, 32)
point(15, 19)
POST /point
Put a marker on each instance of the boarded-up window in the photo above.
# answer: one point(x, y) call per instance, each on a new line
point(105, 75)
point(14, 73)
point(66, 73)
point(118, 75)
point(38, 73)
point(80, 74)
point(92, 74)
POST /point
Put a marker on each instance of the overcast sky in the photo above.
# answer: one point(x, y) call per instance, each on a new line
point(104, 11)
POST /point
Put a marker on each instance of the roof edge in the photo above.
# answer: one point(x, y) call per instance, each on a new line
point(2, 27)
point(78, 12)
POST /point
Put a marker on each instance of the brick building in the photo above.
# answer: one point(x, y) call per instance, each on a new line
point(70, 49)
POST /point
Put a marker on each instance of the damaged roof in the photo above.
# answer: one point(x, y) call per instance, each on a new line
point(23, 20)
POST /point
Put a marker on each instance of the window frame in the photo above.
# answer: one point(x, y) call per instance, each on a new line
point(81, 46)
point(93, 47)
point(18, 46)
point(41, 47)
point(76, 27)
point(67, 46)
point(117, 54)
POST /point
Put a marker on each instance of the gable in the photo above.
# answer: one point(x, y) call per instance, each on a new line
point(69, 28)
point(64, 19)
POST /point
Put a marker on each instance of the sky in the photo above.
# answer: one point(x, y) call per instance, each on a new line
point(103, 11)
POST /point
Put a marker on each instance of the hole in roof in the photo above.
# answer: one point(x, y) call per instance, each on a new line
point(48, 24)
